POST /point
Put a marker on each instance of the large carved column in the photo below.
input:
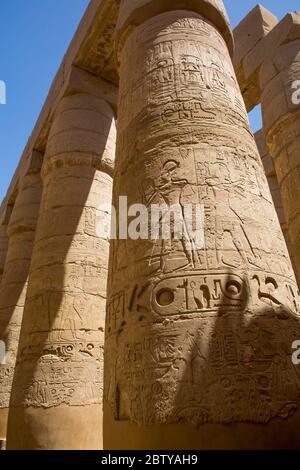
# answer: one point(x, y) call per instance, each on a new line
point(21, 232)
point(198, 343)
point(280, 86)
point(57, 394)
point(3, 248)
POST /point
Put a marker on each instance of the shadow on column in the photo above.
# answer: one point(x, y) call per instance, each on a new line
point(21, 230)
point(56, 400)
point(240, 376)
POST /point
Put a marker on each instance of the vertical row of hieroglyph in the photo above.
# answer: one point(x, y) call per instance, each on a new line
point(198, 336)
point(20, 232)
point(269, 64)
point(56, 400)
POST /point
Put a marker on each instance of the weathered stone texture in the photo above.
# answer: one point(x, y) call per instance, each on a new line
point(59, 371)
point(135, 12)
point(195, 338)
point(268, 164)
point(281, 118)
point(268, 72)
point(247, 37)
point(21, 232)
point(198, 340)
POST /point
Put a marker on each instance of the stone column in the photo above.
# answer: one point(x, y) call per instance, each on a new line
point(3, 252)
point(280, 85)
point(268, 164)
point(198, 337)
point(3, 248)
point(21, 232)
point(57, 394)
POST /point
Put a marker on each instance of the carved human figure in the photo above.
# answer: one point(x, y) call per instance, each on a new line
point(166, 193)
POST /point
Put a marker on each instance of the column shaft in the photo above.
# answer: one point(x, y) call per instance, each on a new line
point(21, 232)
point(3, 248)
point(198, 337)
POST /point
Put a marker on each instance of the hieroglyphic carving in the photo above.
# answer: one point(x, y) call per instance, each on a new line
point(204, 336)
point(281, 125)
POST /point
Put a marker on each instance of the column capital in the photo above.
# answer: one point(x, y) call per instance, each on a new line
point(135, 12)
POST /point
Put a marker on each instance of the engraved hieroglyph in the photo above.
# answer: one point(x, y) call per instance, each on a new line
point(279, 80)
point(204, 336)
point(21, 232)
point(59, 369)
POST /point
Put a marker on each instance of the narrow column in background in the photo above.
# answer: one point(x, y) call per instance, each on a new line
point(280, 84)
point(57, 393)
point(21, 233)
point(268, 164)
point(198, 341)
point(3, 248)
